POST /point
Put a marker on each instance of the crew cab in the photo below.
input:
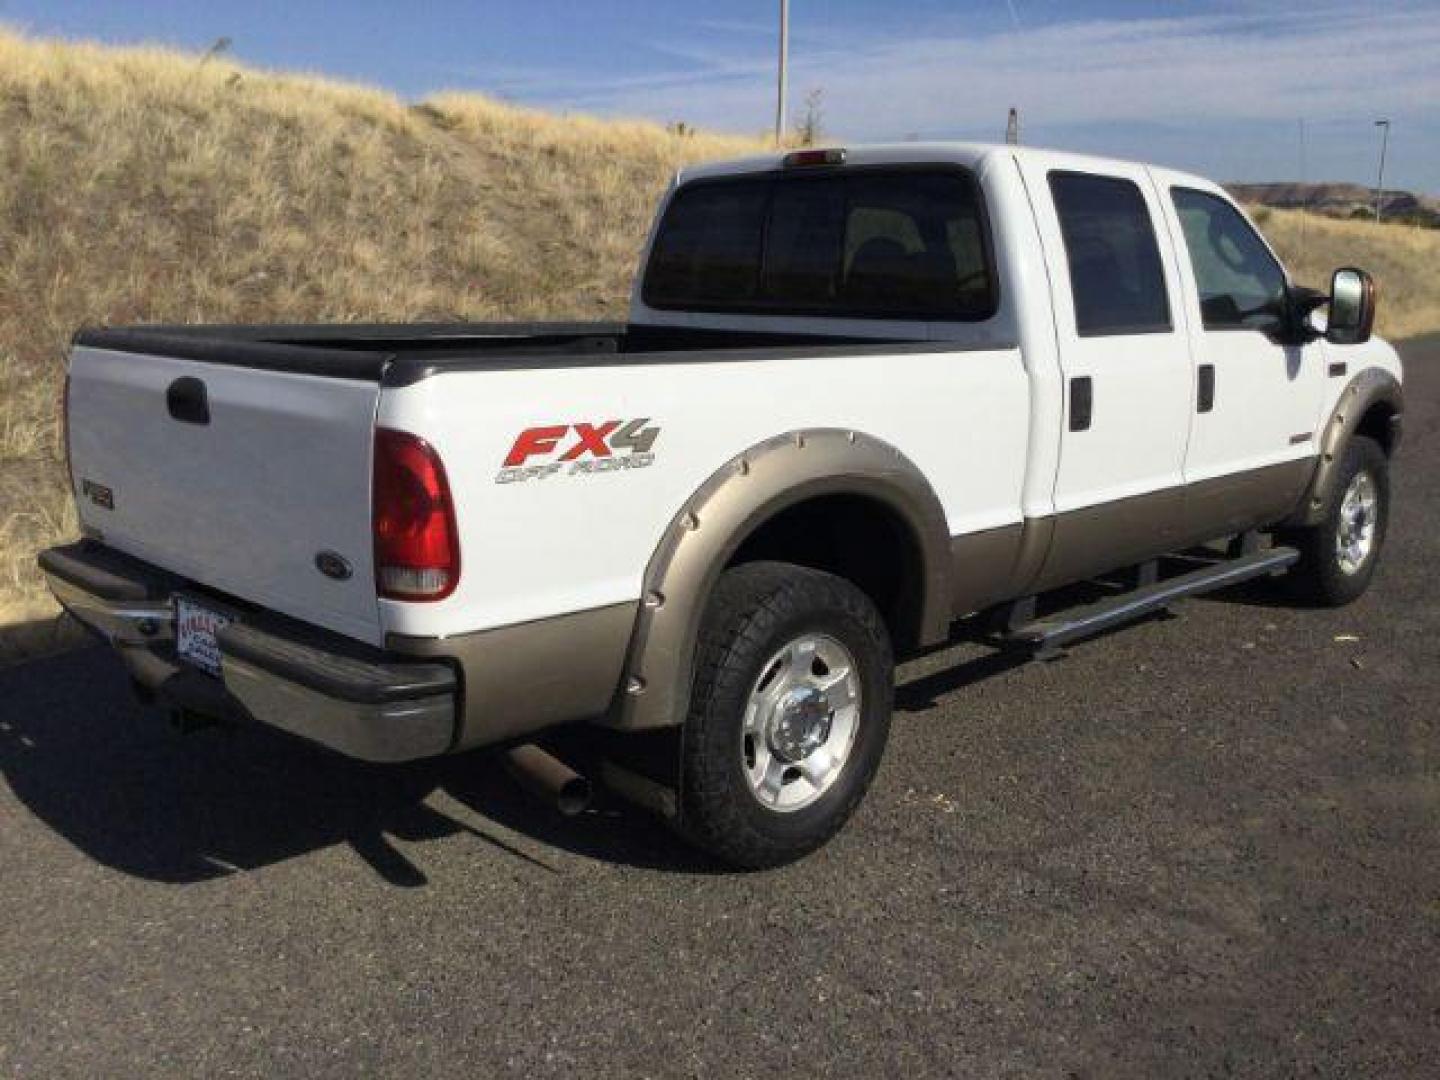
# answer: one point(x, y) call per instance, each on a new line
point(866, 399)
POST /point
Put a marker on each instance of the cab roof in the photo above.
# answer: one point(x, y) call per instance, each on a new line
point(971, 155)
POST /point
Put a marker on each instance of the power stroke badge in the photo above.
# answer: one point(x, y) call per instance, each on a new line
point(579, 449)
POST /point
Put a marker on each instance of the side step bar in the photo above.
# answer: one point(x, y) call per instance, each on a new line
point(1048, 636)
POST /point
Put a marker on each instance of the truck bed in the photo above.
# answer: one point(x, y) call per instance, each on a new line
point(397, 354)
point(238, 456)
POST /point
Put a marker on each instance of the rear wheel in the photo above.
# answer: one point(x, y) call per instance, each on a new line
point(789, 713)
point(1338, 555)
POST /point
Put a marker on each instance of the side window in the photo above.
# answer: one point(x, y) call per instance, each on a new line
point(1115, 268)
point(1241, 285)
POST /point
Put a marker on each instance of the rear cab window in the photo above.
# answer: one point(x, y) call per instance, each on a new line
point(1117, 277)
point(909, 243)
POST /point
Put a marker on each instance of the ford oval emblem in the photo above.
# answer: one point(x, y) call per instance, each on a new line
point(333, 565)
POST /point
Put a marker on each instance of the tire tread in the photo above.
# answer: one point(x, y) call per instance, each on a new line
point(749, 604)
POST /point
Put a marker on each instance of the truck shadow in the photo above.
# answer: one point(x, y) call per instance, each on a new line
point(117, 781)
point(120, 784)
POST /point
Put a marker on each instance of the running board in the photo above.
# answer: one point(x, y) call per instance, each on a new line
point(1051, 634)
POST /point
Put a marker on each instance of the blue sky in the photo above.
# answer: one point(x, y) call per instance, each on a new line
point(1218, 87)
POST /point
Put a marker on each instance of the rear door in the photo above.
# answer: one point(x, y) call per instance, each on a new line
point(1126, 366)
point(236, 477)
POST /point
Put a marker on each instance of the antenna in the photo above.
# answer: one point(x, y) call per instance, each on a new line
point(1012, 127)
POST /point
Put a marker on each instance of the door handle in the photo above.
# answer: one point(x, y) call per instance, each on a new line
point(1082, 403)
point(187, 401)
point(1205, 390)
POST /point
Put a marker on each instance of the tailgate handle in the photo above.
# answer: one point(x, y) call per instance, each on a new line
point(187, 401)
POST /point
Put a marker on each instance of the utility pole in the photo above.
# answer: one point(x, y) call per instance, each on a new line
point(784, 63)
point(1384, 126)
point(1304, 191)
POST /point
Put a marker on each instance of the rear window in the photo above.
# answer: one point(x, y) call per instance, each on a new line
point(1116, 275)
point(864, 243)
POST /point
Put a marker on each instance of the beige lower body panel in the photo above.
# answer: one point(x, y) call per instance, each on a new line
point(518, 680)
point(1245, 500)
point(1100, 538)
point(981, 567)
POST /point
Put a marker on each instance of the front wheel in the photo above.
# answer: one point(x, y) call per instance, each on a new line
point(789, 713)
point(1339, 554)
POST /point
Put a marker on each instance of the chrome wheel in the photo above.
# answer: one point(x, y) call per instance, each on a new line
point(800, 722)
point(1355, 537)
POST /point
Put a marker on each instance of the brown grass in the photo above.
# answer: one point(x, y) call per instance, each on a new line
point(142, 185)
point(1405, 260)
point(145, 185)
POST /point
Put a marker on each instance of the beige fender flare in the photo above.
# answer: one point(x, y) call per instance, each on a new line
point(1373, 386)
point(741, 496)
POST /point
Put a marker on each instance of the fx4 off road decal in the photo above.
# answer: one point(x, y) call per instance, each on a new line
point(579, 449)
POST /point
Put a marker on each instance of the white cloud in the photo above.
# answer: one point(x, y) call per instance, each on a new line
point(1171, 68)
point(1332, 65)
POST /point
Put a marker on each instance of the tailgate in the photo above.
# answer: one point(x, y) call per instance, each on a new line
point(244, 478)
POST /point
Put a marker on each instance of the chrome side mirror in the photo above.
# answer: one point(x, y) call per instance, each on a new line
point(1352, 307)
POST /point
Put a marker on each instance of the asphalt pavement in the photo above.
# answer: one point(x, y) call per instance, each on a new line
point(1207, 845)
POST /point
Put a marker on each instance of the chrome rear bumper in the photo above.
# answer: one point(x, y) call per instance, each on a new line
point(360, 701)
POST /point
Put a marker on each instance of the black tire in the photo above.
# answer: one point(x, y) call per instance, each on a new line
point(756, 610)
point(1320, 577)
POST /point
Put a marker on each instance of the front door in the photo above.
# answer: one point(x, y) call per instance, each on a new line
point(1253, 428)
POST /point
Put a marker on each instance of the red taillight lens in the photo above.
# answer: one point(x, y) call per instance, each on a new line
point(802, 158)
point(417, 550)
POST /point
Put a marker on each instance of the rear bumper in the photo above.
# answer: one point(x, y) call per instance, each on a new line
point(363, 702)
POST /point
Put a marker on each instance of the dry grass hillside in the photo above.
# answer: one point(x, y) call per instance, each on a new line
point(1404, 259)
point(148, 185)
point(145, 185)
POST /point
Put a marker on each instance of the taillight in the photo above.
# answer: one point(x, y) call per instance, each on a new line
point(802, 158)
point(417, 550)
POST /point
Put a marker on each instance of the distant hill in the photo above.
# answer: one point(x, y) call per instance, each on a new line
point(1342, 200)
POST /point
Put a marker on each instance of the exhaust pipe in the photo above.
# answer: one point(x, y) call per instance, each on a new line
point(644, 792)
point(546, 776)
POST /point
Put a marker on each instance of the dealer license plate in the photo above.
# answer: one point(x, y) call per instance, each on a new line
point(195, 628)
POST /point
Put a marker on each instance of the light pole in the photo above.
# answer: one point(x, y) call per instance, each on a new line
point(1384, 126)
point(784, 61)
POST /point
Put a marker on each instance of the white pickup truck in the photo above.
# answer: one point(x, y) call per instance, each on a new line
point(866, 399)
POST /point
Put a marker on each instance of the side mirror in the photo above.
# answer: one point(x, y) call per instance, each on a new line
point(1352, 307)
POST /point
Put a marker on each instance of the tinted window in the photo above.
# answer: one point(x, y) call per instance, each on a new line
point(1240, 283)
point(865, 243)
point(709, 248)
point(1115, 269)
point(802, 246)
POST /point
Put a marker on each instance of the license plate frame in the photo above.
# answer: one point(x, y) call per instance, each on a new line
point(196, 624)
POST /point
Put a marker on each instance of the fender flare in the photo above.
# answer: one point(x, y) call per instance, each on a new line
point(736, 500)
point(1370, 387)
